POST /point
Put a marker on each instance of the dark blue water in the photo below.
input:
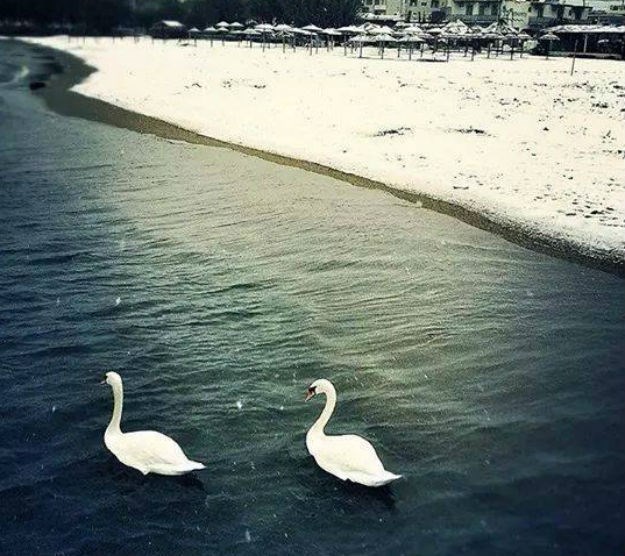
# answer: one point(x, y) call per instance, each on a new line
point(219, 285)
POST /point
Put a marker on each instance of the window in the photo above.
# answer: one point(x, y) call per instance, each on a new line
point(469, 8)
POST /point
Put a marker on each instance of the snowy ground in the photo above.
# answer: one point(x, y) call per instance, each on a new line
point(521, 141)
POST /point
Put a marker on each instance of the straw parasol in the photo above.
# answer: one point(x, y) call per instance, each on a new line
point(412, 30)
point(312, 28)
point(411, 40)
point(361, 40)
point(384, 30)
point(548, 38)
point(383, 40)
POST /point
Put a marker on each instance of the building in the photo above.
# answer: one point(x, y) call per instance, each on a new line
point(392, 11)
point(547, 13)
point(515, 13)
point(425, 10)
point(607, 12)
point(474, 12)
point(168, 29)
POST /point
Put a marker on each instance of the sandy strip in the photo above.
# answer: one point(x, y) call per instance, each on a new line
point(520, 148)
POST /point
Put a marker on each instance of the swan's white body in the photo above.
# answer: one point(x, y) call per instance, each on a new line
point(146, 451)
point(348, 457)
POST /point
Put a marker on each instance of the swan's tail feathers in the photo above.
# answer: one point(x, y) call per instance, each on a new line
point(196, 466)
point(388, 477)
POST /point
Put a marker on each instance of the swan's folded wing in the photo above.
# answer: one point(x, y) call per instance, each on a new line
point(153, 448)
point(342, 455)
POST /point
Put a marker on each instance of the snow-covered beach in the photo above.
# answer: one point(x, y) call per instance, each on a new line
point(522, 142)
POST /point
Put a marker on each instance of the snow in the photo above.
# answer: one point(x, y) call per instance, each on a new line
point(522, 142)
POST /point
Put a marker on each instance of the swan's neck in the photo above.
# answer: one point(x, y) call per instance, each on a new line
point(118, 397)
point(320, 423)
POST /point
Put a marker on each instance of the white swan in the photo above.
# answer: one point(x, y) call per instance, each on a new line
point(348, 457)
point(147, 451)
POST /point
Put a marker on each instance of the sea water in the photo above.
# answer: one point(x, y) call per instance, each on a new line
point(219, 286)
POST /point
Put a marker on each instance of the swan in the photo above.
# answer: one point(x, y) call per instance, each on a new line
point(147, 451)
point(348, 457)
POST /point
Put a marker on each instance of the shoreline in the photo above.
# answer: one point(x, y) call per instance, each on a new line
point(61, 99)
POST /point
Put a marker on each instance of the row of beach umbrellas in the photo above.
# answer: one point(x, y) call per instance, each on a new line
point(401, 32)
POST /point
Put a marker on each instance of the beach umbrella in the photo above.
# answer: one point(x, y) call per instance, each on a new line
point(522, 38)
point(346, 31)
point(250, 34)
point(264, 29)
point(384, 30)
point(211, 32)
point(492, 36)
point(414, 39)
point(236, 25)
point(349, 30)
point(312, 28)
point(361, 40)
point(304, 33)
point(548, 38)
point(411, 40)
point(330, 32)
point(223, 31)
point(412, 30)
point(222, 24)
point(283, 29)
point(382, 40)
point(194, 33)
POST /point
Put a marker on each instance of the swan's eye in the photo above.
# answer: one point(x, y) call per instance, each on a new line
point(311, 390)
